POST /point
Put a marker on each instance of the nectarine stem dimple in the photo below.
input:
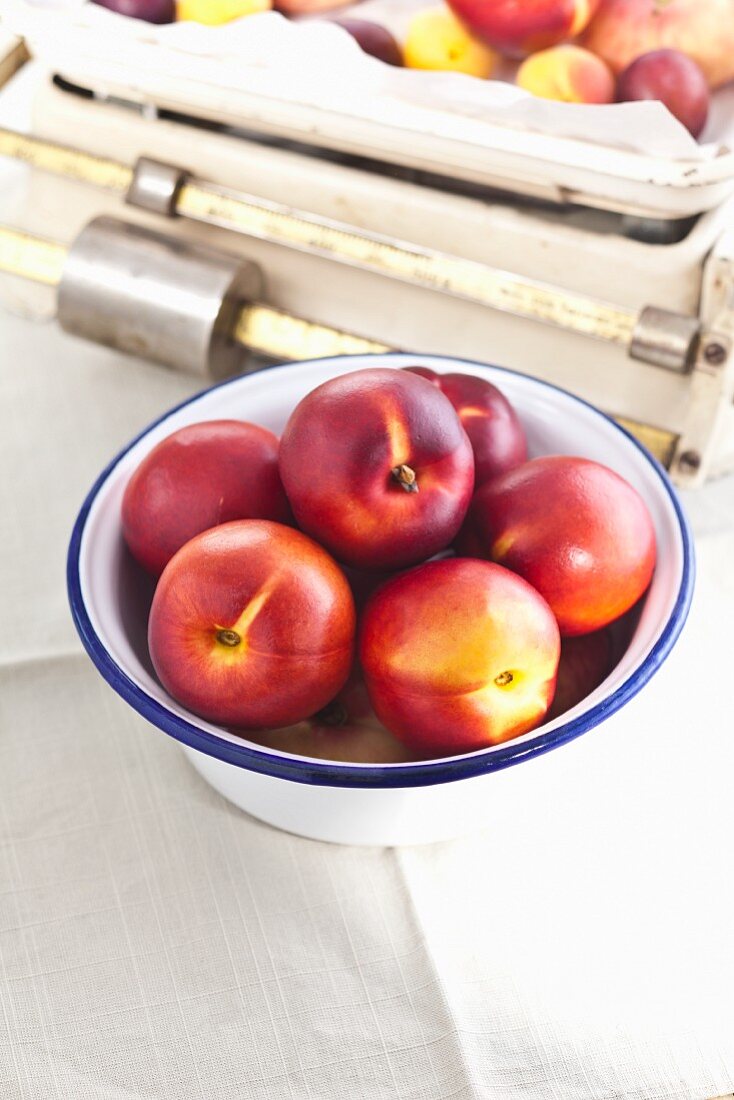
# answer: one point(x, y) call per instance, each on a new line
point(228, 637)
point(504, 679)
point(405, 477)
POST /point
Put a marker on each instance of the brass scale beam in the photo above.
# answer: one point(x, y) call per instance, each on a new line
point(274, 333)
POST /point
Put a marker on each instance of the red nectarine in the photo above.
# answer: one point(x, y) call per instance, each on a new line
point(494, 429)
point(457, 655)
point(519, 27)
point(574, 529)
point(672, 78)
point(252, 626)
point(378, 468)
point(200, 476)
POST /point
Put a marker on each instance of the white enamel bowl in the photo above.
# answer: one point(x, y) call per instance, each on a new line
point(391, 803)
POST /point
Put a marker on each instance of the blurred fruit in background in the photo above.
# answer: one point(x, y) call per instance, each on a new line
point(674, 79)
point(437, 40)
point(152, 11)
point(214, 12)
point(519, 27)
point(567, 73)
point(306, 7)
point(373, 39)
point(623, 30)
point(572, 51)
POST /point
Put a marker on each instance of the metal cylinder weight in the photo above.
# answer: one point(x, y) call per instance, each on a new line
point(156, 296)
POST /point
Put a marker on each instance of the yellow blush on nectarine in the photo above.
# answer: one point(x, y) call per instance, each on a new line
point(458, 655)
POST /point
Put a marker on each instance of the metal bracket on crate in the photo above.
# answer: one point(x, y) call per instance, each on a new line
point(156, 186)
point(711, 385)
point(665, 339)
point(655, 336)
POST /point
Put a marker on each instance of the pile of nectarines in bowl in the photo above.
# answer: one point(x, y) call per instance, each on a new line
point(369, 594)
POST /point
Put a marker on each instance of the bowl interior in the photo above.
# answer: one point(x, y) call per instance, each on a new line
point(115, 596)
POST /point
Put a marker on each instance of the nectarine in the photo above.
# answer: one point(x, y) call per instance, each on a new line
point(378, 468)
point(574, 529)
point(494, 429)
point(197, 477)
point(672, 78)
point(457, 655)
point(373, 39)
point(151, 11)
point(519, 27)
point(703, 29)
point(252, 626)
point(569, 74)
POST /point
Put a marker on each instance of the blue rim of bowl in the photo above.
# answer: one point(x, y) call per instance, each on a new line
point(326, 774)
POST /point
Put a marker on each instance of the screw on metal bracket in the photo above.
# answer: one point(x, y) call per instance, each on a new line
point(689, 462)
point(714, 353)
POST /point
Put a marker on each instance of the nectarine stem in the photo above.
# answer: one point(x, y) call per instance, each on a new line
point(405, 478)
point(504, 679)
point(228, 637)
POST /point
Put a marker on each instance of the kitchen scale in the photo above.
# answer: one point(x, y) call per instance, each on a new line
point(215, 233)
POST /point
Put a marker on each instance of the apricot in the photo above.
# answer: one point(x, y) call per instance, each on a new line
point(569, 74)
point(437, 40)
point(215, 12)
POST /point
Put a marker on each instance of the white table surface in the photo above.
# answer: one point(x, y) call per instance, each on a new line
point(155, 942)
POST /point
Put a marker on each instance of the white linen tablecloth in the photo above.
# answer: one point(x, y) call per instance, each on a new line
point(155, 942)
